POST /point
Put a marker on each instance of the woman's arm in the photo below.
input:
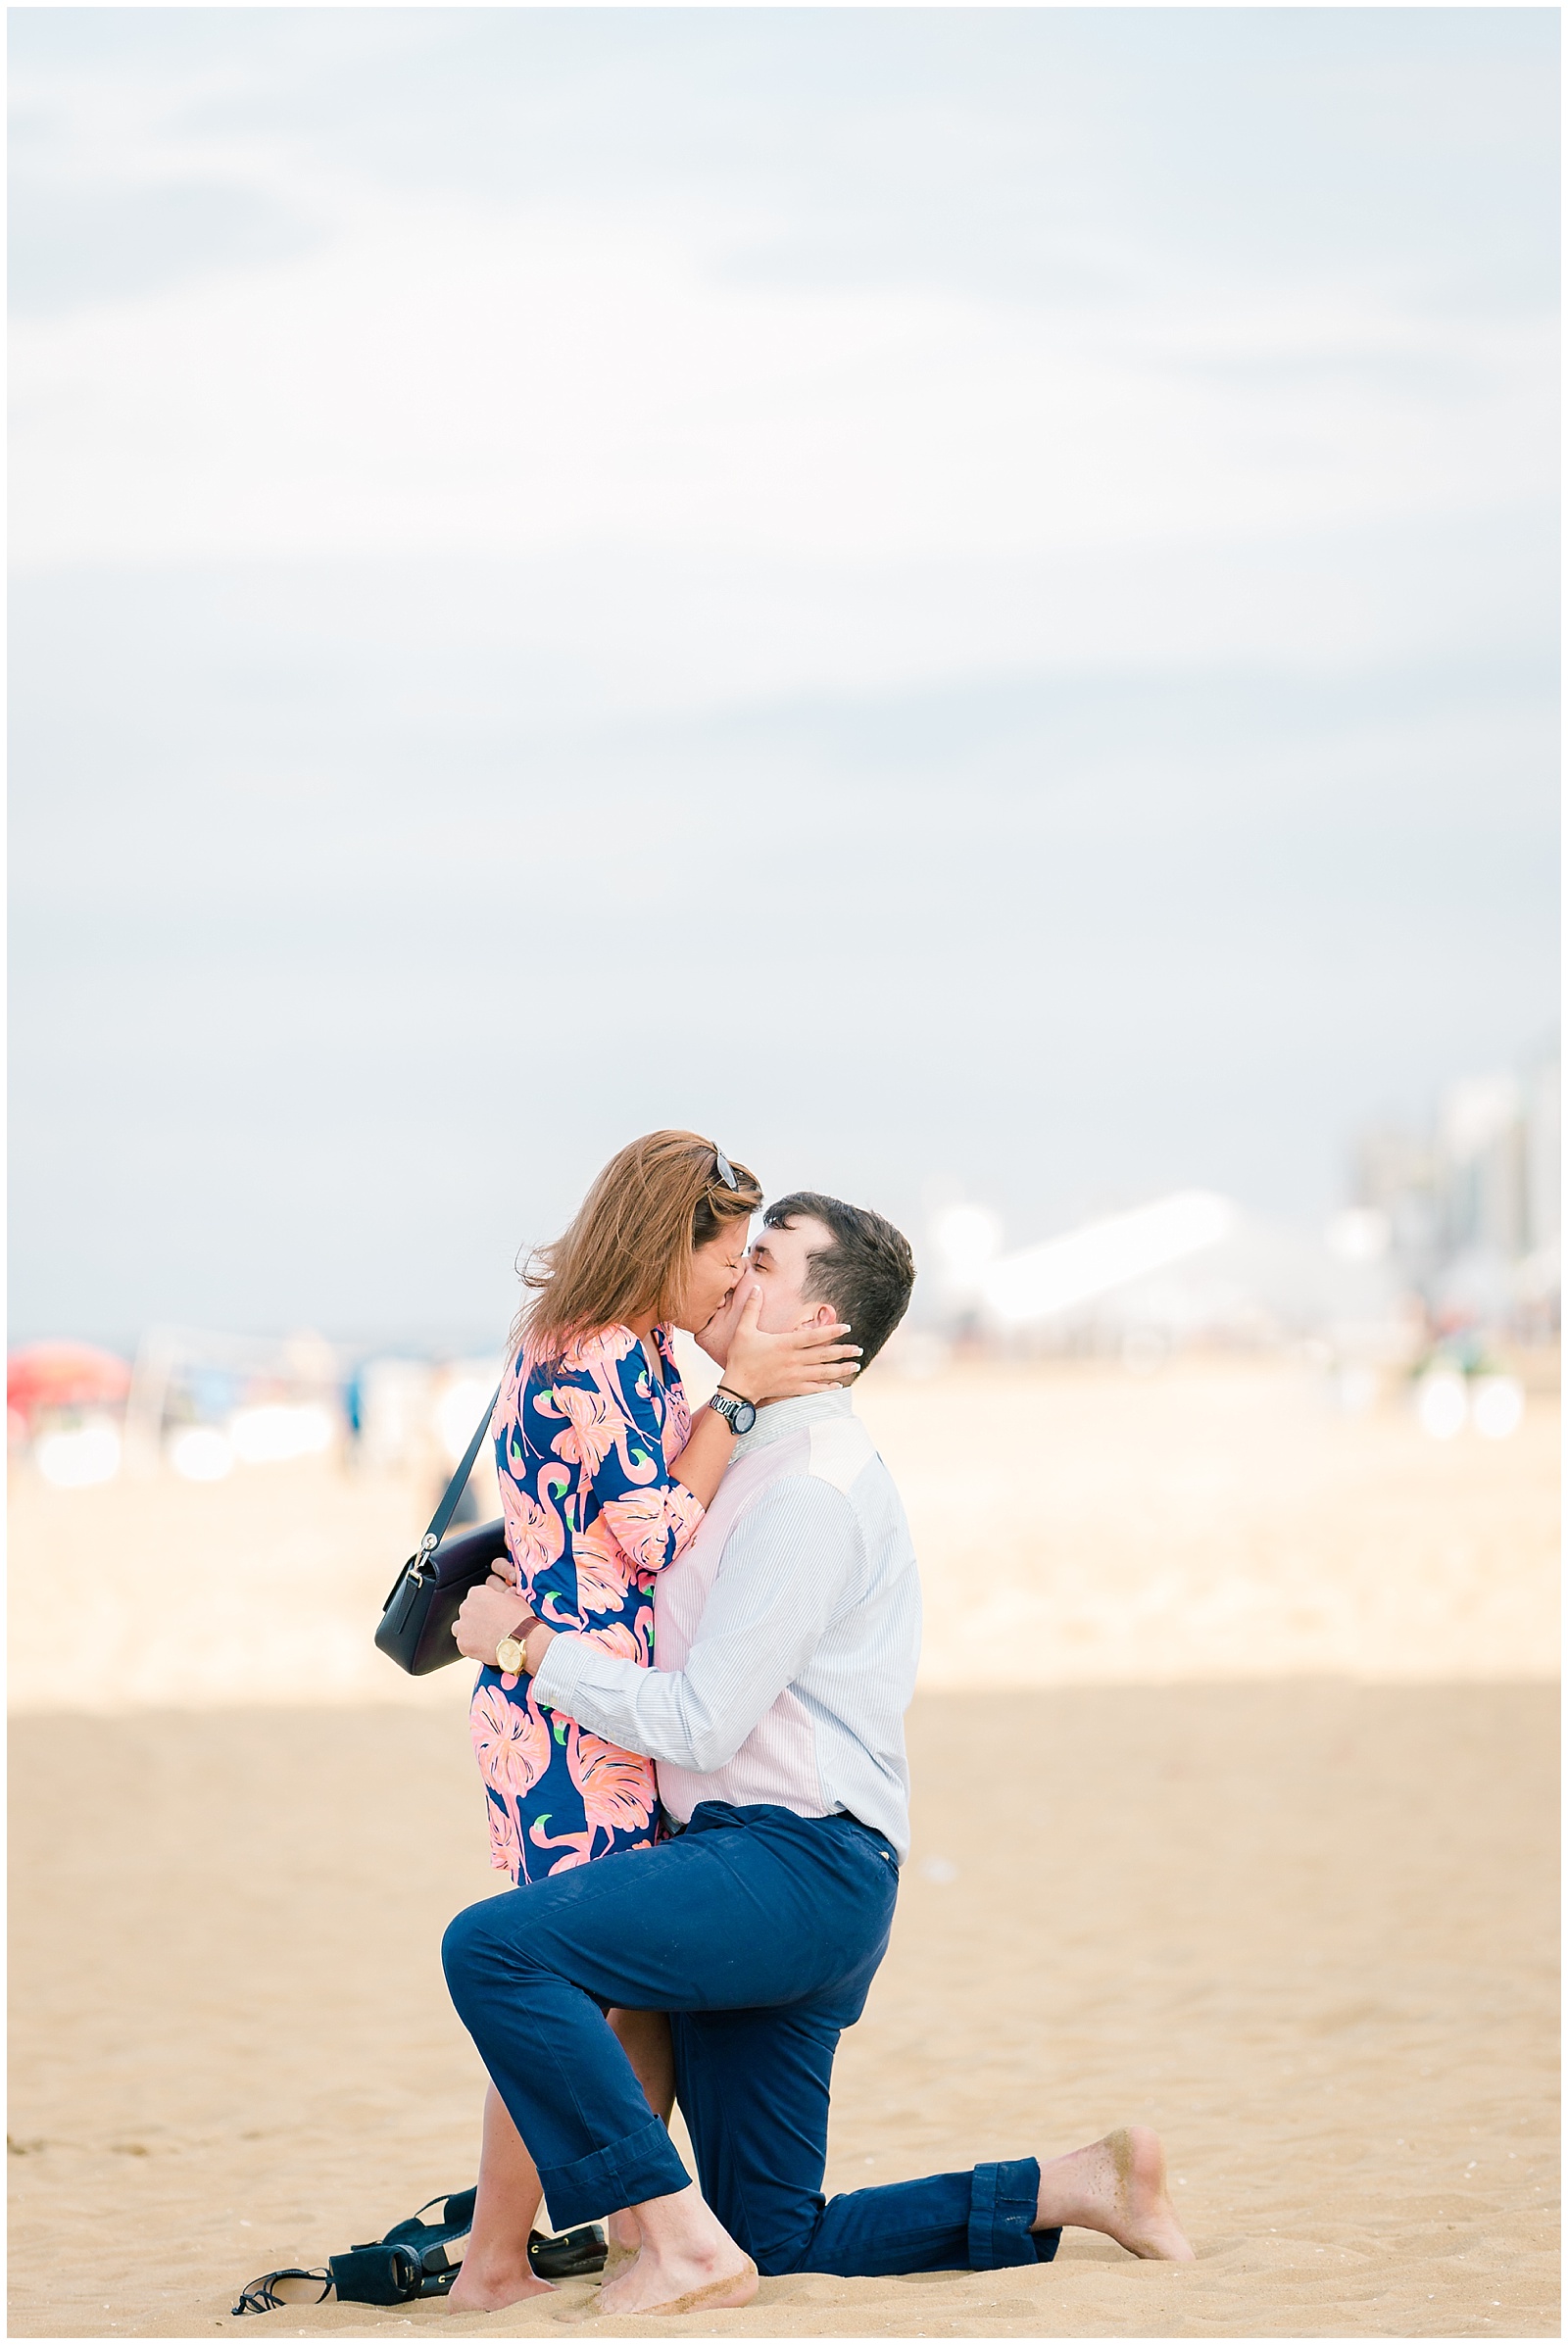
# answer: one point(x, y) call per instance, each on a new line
point(612, 1432)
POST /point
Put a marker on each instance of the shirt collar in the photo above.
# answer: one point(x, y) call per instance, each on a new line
point(783, 1417)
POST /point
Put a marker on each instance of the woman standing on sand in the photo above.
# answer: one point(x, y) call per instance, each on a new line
point(604, 1479)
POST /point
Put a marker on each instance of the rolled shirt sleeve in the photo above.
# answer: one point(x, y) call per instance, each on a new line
point(792, 1560)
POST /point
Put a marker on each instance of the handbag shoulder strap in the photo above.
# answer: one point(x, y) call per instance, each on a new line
point(457, 1486)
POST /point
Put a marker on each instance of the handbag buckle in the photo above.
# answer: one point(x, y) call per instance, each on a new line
point(423, 1554)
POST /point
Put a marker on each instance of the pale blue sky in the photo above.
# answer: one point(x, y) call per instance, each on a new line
point(939, 594)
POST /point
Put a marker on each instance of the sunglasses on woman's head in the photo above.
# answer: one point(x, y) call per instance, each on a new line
point(725, 1169)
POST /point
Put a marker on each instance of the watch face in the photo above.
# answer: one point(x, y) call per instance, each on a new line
point(510, 1657)
point(743, 1417)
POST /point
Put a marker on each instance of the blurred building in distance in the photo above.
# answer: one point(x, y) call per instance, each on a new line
point(1449, 1246)
point(1472, 1205)
point(1192, 1267)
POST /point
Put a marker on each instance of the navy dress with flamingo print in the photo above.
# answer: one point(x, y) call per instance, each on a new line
point(592, 1515)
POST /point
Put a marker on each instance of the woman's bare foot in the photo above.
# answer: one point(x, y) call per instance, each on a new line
point(491, 2290)
point(624, 2238)
point(687, 2263)
point(1117, 2186)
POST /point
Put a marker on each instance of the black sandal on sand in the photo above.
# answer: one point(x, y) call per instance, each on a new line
point(411, 2260)
point(262, 2296)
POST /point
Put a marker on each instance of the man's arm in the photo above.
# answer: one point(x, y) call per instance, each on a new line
point(784, 1571)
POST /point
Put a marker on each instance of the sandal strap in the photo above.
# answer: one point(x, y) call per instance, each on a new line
point(259, 2297)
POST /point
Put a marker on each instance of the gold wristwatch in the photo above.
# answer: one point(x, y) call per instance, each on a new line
point(510, 1658)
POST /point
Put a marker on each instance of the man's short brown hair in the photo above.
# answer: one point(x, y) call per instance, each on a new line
point(868, 1273)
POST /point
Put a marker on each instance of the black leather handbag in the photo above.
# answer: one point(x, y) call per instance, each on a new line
point(416, 1628)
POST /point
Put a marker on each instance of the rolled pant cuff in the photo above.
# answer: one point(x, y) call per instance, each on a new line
point(646, 2165)
point(1001, 2206)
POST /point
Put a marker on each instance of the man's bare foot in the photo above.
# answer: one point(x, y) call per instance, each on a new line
point(650, 2285)
point(494, 2287)
point(687, 2263)
point(1117, 2186)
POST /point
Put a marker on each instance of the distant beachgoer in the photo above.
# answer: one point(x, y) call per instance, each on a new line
point(604, 1479)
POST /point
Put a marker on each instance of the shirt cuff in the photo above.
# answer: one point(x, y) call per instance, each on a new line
point(575, 1670)
point(559, 1674)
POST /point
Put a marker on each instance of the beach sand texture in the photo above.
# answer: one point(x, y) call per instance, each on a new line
point(1073, 1525)
point(1325, 1973)
point(1303, 1925)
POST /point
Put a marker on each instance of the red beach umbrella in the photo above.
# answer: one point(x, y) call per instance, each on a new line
point(59, 1376)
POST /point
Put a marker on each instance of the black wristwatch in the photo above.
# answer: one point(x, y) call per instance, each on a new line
point(738, 1414)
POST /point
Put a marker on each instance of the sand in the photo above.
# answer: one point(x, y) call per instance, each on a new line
point(1326, 1975)
point(1282, 1884)
point(1075, 1525)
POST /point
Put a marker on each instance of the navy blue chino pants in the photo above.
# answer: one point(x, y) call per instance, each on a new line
point(760, 1932)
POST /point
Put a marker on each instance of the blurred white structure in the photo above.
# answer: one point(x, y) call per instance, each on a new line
point(201, 1453)
point(278, 1430)
point(200, 1400)
point(1360, 1234)
point(1497, 1407)
point(464, 1392)
point(419, 1416)
point(1049, 1281)
point(79, 1455)
point(964, 1241)
point(396, 1398)
point(1193, 1266)
point(1446, 1400)
point(1441, 1403)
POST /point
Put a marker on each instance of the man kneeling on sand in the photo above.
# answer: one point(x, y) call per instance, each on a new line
point(786, 1641)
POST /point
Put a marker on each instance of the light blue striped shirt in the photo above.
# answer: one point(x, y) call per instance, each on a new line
point(785, 1637)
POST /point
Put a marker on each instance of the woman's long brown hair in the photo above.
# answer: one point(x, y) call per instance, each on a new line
point(626, 1250)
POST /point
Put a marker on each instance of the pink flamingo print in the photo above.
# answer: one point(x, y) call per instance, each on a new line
point(654, 1525)
point(505, 1850)
point(583, 1445)
point(595, 1426)
point(617, 1792)
point(603, 1573)
point(535, 1534)
point(616, 1786)
point(511, 1744)
point(616, 1638)
point(510, 1741)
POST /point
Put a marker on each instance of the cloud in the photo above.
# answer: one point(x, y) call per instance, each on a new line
point(75, 248)
point(1029, 531)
